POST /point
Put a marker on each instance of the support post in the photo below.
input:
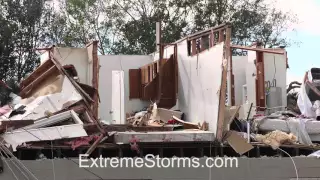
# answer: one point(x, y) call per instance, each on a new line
point(223, 87)
point(158, 39)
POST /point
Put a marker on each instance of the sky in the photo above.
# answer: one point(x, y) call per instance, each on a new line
point(304, 56)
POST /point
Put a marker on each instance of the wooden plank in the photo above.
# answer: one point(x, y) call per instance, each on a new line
point(211, 42)
point(35, 74)
point(232, 96)
point(221, 38)
point(258, 49)
point(40, 78)
point(223, 86)
point(176, 68)
point(134, 83)
point(187, 125)
point(142, 75)
point(202, 43)
point(261, 102)
point(149, 74)
point(203, 34)
point(145, 75)
point(194, 47)
point(95, 78)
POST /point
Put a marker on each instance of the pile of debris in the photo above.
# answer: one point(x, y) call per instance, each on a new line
point(52, 108)
point(289, 127)
point(161, 117)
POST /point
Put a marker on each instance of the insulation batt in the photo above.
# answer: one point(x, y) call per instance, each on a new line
point(276, 138)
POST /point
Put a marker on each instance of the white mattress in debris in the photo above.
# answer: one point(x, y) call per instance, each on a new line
point(312, 126)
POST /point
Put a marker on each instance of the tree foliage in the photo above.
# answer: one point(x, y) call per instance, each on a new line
point(252, 20)
point(19, 35)
point(126, 26)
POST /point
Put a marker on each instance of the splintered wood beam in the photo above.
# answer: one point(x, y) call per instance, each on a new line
point(258, 49)
point(94, 145)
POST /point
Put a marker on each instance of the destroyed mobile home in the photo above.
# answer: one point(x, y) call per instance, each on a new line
point(188, 94)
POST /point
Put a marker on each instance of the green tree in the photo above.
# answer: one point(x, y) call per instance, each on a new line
point(137, 25)
point(77, 22)
point(19, 35)
point(128, 26)
point(252, 20)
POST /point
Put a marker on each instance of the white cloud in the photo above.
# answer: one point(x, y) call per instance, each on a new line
point(307, 11)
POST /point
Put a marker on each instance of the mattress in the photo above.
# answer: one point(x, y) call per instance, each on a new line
point(312, 126)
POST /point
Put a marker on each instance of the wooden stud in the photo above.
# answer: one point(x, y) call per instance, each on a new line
point(232, 96)
point(211, 39)
point(282, 52)
point(194, 47)
point(223, 87)
point(202, 43)
point(260, 82)
point(221, 39)
point(149, 78)
point(95, 77)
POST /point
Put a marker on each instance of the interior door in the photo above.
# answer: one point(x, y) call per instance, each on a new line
point(117, 110)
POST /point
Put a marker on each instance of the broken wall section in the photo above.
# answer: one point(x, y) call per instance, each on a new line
point(199, 80)
point(78, 57)
point(245, 75)
point(111, 99)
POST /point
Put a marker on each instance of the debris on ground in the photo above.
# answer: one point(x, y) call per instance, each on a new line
point(276, 138)
point(51, 106)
